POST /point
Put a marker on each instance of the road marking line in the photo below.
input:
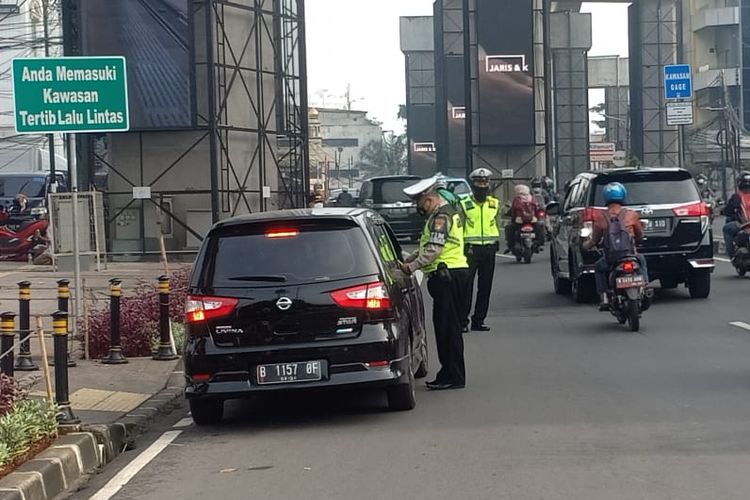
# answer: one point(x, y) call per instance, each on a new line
point(740, 324)
point(185, 422)
point(722, 259)
point(126, 474)
point(505, 256)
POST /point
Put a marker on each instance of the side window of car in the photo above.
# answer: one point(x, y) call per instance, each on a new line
point(583, 192)
point(365, 192)
point(571, 196)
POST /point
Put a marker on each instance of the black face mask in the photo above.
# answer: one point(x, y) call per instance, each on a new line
point(480, 193)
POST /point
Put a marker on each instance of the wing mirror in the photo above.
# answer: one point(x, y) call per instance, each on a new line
point(553, 208)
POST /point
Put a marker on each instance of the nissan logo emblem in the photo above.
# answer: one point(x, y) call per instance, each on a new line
point(284, 303)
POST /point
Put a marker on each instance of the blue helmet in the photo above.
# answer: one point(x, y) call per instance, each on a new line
point(614, 192)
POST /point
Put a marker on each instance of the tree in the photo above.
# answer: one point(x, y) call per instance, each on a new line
point(385, 157)
point(599, 109)
point(401, 112)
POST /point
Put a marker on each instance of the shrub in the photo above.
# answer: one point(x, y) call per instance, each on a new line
point(9, 392)
point(26, 424)
point(139, 317)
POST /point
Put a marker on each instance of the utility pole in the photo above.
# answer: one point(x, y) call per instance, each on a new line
point(50, 137)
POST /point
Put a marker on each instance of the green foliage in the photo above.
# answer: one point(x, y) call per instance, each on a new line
point(178, 332)
point(388, 156)
point(28, 422)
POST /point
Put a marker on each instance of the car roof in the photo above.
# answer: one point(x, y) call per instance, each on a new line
point(353, 214)
point(627, 170)
point(394, 177)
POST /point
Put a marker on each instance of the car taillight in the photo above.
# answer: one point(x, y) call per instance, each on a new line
point(628, 267)
point(282, 233)
point(372, 297)
point(698, 209)
point(200, 308)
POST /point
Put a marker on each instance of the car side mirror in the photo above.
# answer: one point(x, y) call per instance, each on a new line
point(553, 208)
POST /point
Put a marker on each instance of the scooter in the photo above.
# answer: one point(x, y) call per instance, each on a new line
point(526, 243)
point(17, 244)
point(628, 292)
point(741, 259)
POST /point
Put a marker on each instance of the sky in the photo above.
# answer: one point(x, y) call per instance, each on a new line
point(356, 42)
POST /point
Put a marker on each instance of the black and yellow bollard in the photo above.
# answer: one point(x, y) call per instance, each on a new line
point(115, 356)
point(62, 390)
point(7, 337)
point(63, 301)
point(24, 362)
point(165, 352)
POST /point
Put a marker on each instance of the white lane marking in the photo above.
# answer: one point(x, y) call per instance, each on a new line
point(722, 259)
point(185, 422)
point(126, 474)
point(505, 256)
point(740, 324)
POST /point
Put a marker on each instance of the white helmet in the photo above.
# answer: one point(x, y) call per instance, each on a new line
point(481, 173)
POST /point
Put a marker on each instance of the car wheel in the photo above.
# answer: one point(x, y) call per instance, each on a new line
point(206, 411)
point(562, 285)
point(699, 284)
point(403, 397)
point(424, 364)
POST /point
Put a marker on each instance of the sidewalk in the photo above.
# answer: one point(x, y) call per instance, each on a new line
point(99, 394)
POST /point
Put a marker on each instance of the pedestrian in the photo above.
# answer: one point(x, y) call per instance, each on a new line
point(482, 241)
point(441, 257)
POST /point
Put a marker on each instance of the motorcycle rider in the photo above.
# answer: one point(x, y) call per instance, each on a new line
point(523, 210)
point(441, 257)
point(735, 214)
point(482, 241)
point(605, 224)
point(344, 199)
point(537, 191)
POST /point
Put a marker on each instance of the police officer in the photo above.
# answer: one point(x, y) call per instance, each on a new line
point(482, 240)
point(441, 257)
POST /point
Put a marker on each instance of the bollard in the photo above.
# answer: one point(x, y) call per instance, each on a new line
point(7, 336)
point(62, 391)
point(115, 356)
point(165, 352)
point(24, 362)
point(63, 301)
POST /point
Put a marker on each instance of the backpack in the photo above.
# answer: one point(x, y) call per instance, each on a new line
point(618, 242)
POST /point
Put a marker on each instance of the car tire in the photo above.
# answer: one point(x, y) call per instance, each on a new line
point(562, 285)
point(699, 284)
point(424, 366)
point(403, 397)
point(206, 411)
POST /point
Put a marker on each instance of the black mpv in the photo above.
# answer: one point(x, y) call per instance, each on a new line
point(301, 300)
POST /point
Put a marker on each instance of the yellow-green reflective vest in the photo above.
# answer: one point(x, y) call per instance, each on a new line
point(453, 250)
point(481, 221)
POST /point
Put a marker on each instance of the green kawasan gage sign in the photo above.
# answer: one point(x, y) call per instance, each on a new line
point(70, 94)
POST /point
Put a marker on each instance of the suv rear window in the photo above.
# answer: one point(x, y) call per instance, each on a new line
point(247, 256)
point(651, 188)
point(392, 191)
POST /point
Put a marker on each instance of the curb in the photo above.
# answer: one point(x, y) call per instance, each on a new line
point(67, 463)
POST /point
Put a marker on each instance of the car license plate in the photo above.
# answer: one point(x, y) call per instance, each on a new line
point(655, 225)
point(287, 373)
point(630, 282)
point(399, 212)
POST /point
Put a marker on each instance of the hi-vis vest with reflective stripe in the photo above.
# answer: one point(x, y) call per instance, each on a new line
point(453, 250)
point(481, 221)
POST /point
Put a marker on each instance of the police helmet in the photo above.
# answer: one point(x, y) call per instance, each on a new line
point(548, 183)
point(614, 192)
point(536, 182)
point(420, 188)
point(701, 179)
point(743, 180)
point(481, 173)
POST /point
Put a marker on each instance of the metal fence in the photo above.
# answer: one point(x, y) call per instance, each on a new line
point(90, 226)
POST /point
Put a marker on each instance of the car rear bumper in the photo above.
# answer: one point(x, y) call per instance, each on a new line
point(231, 372)
point(667, 263)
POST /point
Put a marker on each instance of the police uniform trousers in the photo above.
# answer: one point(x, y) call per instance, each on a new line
point(446, 318)
point(481, 260)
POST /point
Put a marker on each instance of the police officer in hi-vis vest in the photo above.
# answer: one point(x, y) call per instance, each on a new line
point(441, 257)
point(482, 241)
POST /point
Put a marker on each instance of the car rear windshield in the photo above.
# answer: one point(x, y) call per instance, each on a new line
point(256, 255)
point(651, 188)
point(392, 191)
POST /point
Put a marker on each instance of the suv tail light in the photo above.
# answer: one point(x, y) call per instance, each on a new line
point(589, 216)
point(201, 308)
point(371, 297)
point(698, 209)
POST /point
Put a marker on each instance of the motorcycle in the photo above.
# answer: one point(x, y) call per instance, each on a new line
point(17, 237)
point(741, 259)
point(526, 244)
point(628, 295)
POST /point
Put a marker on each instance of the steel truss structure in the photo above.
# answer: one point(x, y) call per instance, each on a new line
point(251, 127)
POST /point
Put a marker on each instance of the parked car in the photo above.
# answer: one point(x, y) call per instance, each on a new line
point(319, 303)
point(385, 195)
point(678, 242)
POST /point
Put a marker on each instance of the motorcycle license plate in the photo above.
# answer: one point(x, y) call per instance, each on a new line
point(630, 282)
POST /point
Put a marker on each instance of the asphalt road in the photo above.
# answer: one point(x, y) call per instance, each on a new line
point(561, 403)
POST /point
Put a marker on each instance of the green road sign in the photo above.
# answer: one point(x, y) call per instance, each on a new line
point(70, 94)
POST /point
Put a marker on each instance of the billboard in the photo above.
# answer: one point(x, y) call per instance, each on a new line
point(456, 96)
point(422, 148)
point(505, 36)
point(155, 38)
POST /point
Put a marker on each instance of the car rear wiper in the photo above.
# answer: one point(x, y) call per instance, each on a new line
point(276, 278)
